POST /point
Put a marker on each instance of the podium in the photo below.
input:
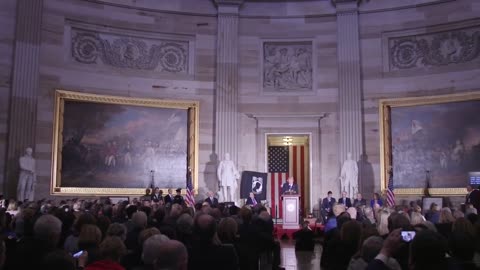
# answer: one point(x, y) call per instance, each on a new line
point(290, 211)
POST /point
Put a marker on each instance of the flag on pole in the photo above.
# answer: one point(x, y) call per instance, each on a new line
point(190, 199)
point(390, 193)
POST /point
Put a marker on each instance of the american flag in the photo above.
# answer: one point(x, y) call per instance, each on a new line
point(190, 200)
point(285, 161)
point(390, 193)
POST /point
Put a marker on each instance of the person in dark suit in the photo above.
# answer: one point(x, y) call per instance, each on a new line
point(168, 199)
point(211, 200)
point(359, 201)
point(290, 187)
point(156, 195)
point(473, 197)
point(345, 200)
point(327, 205)
point(178, 198)
point(251, 200)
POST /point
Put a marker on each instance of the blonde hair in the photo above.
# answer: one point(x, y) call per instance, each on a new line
point(353, 212)
point(338, 209)
point(446, 216)
point(416, 218)
point(382, 224)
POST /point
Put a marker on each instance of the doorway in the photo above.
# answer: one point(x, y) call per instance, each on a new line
point(288, 155)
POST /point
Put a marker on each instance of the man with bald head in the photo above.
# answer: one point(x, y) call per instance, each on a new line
point(171, 255)
point(206, 251)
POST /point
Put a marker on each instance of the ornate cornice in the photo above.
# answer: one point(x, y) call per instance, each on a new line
point(357, 2)
point(228, 7)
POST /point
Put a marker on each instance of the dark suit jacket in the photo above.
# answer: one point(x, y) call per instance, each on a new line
point(178, 199)
point(213, 203)
point(156, 197)
point(326, 204)
point(474, 198)
point(250, 201)
point(347, 202)
point(357, 203)
point(168, 199)
point(293, 189)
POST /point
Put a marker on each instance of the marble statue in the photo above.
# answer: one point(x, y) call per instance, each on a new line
point(27, 179)
point(228, 175)
point(349, 176)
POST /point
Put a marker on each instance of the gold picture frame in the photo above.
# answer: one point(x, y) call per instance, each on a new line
point(385, 108)
point(122, 114)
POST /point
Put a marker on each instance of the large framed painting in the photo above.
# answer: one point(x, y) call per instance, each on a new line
point(110, 145)
point(431, 144)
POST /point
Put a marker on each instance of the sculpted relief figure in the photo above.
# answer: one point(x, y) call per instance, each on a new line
point(349, 176)
point(27, 179)
point(287, 66)
point(228, 175)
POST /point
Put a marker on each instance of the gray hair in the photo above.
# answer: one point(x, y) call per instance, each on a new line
point(171, 255)
point(150, 247)
point(470, 210)
point(117, 229)
point(185, 223)
point(139, 219)
point(371, 247)
point(46, 227)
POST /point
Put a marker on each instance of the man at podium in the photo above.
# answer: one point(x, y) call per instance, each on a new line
point(290, 187)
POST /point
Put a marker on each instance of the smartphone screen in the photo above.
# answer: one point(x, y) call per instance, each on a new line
point(78, 254)
point(408, 236)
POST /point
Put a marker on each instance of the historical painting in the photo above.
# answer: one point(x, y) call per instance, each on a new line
point(287, 66)
point(121, 144)
point(434, 144)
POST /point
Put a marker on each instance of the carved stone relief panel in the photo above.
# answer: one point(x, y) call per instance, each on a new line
point(130, 52)
point(436, 49)
point(287, 66)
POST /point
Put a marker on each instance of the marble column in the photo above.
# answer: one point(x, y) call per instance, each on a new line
point(349, 81)
point(25, 84)
point(226, 87)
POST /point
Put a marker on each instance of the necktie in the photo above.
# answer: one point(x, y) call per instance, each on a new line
point(254, 201)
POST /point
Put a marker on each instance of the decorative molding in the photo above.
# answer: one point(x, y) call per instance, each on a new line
point(130, 52)
point(435, 49)
point(287, 66)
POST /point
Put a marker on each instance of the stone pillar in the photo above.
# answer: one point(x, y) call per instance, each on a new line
point(25, 84)
point(226, 85)
point(349, 82)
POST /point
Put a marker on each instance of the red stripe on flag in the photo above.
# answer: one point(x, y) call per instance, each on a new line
point(280, 201)
point(302, 176)
point(272, 193)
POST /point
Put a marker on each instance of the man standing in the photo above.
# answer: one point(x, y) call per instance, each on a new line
point(473, 197)
point(290, 187)
point(178, 199)
point(345, 200)
point(212, 201)
point(169, 197)
point(359, 201)
point(327, 205)
point(27, 179)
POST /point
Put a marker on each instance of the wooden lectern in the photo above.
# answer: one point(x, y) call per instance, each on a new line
point(290, 211)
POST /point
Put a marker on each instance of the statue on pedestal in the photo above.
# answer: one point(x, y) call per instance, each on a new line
point(228, 175)
point(27, 179)
point(349, 176)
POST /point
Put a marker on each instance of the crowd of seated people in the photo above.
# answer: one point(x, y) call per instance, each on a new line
point(401, 237)
point(141, 234)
